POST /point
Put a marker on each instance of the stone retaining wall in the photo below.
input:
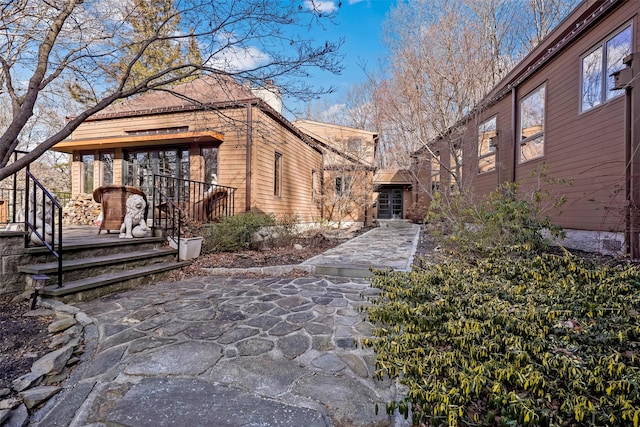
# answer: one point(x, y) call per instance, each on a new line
point(11, 257)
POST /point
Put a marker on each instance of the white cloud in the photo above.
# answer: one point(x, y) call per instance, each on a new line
point(333, 114)
point(320, 6)
point(239, 59)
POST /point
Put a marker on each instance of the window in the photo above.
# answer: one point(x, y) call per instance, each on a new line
point(599, 64)
point(435, 172)
point(532, 125)
point(314, 185)
point(107, 168)
point(277, 175)
point(343, 185)
point(487, 134)
point(354, 144)
point(210, 157)
point(456, 167)
point(87, 173)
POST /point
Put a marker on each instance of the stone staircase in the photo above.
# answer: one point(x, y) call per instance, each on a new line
point(94, 266)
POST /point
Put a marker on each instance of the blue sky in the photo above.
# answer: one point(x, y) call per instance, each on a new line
point(359, 22)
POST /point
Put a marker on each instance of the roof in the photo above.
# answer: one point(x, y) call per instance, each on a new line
point(327, 128)
point(393, 177)
point(205, 91)
point(193, 94)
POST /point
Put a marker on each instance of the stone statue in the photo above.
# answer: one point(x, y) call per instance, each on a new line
point(134, 224)
point(42, 222)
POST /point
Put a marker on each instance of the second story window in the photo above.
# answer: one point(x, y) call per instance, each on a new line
point(532, 125)
point(599, 64)
point(487, 134)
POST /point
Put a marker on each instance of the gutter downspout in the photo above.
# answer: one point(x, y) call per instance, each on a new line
point(514, 132)
point(624, 79)
point(634, 142)
point(247, 202)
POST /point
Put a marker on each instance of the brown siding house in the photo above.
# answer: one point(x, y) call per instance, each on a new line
point(559, 110)
point(209, 130)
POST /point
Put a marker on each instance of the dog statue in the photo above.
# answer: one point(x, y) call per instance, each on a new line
point(134, 224)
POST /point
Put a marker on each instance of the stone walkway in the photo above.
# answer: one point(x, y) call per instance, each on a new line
point(231, 351)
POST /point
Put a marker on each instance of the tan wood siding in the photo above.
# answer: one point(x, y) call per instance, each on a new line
point(298, 161)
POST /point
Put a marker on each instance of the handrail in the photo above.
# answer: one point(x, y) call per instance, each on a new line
point(176, 201)
point(52, 219)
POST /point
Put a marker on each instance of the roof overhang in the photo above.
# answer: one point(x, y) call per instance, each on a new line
point(109, 142)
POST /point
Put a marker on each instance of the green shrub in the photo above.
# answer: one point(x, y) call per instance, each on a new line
point(285, 230)
point(234, 232)
point(508, 220)
point(539, 340)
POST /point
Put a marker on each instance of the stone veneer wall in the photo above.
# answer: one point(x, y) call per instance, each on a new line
point(11, 257)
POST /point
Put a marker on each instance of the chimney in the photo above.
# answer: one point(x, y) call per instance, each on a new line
point(269, 93)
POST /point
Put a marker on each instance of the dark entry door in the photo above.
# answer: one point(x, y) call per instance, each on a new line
point(390, 203)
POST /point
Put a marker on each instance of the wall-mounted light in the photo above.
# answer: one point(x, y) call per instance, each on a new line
point(623, 77)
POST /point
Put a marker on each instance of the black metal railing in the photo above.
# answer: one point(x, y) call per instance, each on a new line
point(43, 219)
point(12, 196)
point(177, 202)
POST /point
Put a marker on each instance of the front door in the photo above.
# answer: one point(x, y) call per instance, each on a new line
point(390, 203)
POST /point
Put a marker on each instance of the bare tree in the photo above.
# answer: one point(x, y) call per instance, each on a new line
point(46, 45)
point(445, 55)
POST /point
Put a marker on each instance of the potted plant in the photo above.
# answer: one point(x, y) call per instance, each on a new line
point(190, 240)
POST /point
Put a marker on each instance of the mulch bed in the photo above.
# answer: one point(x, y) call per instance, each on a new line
point(23, 340)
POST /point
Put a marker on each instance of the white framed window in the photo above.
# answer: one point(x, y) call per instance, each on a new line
point(487, 140)
point(532, 113)
point(598, 65)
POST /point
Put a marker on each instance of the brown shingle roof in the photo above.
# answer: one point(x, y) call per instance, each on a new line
point(208, 89)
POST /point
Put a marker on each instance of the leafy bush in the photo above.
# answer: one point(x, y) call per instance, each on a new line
point(234, 232)
point(508, 220)
point(540, 340)
point(285, 230)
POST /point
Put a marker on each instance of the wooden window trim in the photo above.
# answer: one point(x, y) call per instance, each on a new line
point(277, 174)
point(602, 44)
point(532, 138)
point(489, 153)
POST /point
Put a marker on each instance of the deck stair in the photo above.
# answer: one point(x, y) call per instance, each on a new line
point(95, 266)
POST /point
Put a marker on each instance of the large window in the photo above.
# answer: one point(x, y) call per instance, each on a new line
point(277, 175)
point(599, 64)
point(532, 125)
point(487, 134)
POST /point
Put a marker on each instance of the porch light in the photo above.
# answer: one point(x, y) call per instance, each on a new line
point(38, 282)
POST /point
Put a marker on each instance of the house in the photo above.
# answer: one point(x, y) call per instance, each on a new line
point(561, 110)
point(348, 170)
point(210, 130)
